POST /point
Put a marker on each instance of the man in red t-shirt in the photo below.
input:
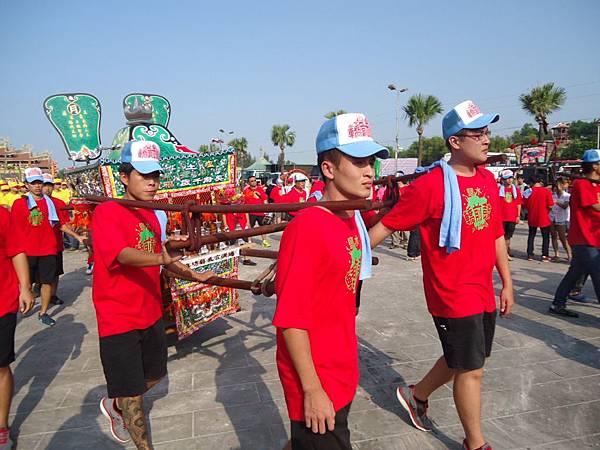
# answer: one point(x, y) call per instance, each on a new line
point(15, 295)
point(510, 206)
point(37, 223)
point(298, 192)
point(458, 257)
point(584, 233)
point(318, 270)
point(128, 253)
point(255, 195)
point(47, 189)
point(538, 201)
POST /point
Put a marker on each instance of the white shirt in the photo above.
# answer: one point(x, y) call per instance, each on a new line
point(558, 214)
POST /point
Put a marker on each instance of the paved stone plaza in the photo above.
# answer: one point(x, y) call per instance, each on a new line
point(541, 387)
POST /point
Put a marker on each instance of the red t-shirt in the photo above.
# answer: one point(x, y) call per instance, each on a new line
point(538, 206)
point(255, 197)
point(317, 276)
point(33, 228)
point(276, 194)
point(9, 284)
point(585, 221)
point(125, 297)
point(294, 196)
point(509, 205)
point(457, 284)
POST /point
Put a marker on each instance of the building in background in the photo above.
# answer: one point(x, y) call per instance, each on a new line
point(13, 161)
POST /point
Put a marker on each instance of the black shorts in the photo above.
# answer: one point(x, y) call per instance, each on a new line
point(59, 264)
point(509, 229)
point(8, 323)
point(255, 220)
point(466, 341)
point(133, 358)
point(303, 438)
point(43, 269)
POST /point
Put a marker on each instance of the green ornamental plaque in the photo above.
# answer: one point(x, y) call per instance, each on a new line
point(76, 117)
point(161, 108)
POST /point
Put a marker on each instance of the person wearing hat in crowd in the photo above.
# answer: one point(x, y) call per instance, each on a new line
point(36, 221)
point(584, 233)
point(275, 197)
point(4, 190)
point(23, 190)
point(59, 192)
point(456, 206)
point(510, 206)
point(129, 249)
point(47, 189)
point(12, 195)
point(255, 195)
point(316, 191)
point(15, 296)
point(298, 192)
point(538, 201)
point(317, 349)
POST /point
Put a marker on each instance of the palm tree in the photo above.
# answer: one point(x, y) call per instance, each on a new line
point(281, 136)
point(542, 101)
point(244, 159)
point(332, 114)
point(419, 110)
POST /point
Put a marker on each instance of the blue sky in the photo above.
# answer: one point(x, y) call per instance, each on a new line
point(245, 66)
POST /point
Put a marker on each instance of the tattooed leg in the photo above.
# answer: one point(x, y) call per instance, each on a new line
point(133, 415)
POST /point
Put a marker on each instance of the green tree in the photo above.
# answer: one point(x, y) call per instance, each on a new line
point(332, 114)
point(499, 144)
point(419, 110)
point(542, 101)
point(209, 148)
point(525, 135)
point(582, 136)
point(282, 137)
point(244, 158)
point(433, 149)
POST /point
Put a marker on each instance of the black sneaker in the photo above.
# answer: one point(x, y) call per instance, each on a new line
point(562, 311)
point(46, 320)
point(248, 262)
point(55, 300)
point(416, 410)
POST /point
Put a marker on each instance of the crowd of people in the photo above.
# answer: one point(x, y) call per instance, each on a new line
point(462, 217)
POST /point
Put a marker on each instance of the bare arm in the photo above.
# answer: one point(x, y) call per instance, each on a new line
point(507, 299)
point(596, 207)
point(22, 269)
point(318, 408)
point(378, 233)
point(66, 228)
point(137, 258)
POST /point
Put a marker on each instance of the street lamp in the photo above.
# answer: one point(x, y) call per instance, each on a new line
point(392, 87)
point(224, 135)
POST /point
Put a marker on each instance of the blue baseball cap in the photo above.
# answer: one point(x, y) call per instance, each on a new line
point(34, 174)
point(144, 156)
point(350, 134)
point(591, 156)
point(466, 115)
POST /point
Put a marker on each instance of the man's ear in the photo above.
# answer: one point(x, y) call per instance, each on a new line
point(453, 141)
point(327, 168)
point(124, 178)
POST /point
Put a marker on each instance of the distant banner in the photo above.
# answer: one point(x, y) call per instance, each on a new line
point(76, 118)
point(533, 155)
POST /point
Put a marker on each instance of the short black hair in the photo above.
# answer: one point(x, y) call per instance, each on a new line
point(587, 167)
point(126, 168)
point(333, 155)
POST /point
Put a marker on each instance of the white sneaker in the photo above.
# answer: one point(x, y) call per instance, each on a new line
point(117, 425)
point(90, 269)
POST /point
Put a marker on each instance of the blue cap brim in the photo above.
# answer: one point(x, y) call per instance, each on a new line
point(146, 167)
point(363, 149)
point(483, 121)
point(32, 179)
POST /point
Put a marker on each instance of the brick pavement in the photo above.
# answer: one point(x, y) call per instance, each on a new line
point(541, 386)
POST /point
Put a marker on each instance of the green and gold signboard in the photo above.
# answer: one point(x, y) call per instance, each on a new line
point(76, 117)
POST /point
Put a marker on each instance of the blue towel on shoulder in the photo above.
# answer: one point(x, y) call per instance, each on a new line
point(162, 221)
point(450, 228)
point(52, 215)
point(503, 191)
